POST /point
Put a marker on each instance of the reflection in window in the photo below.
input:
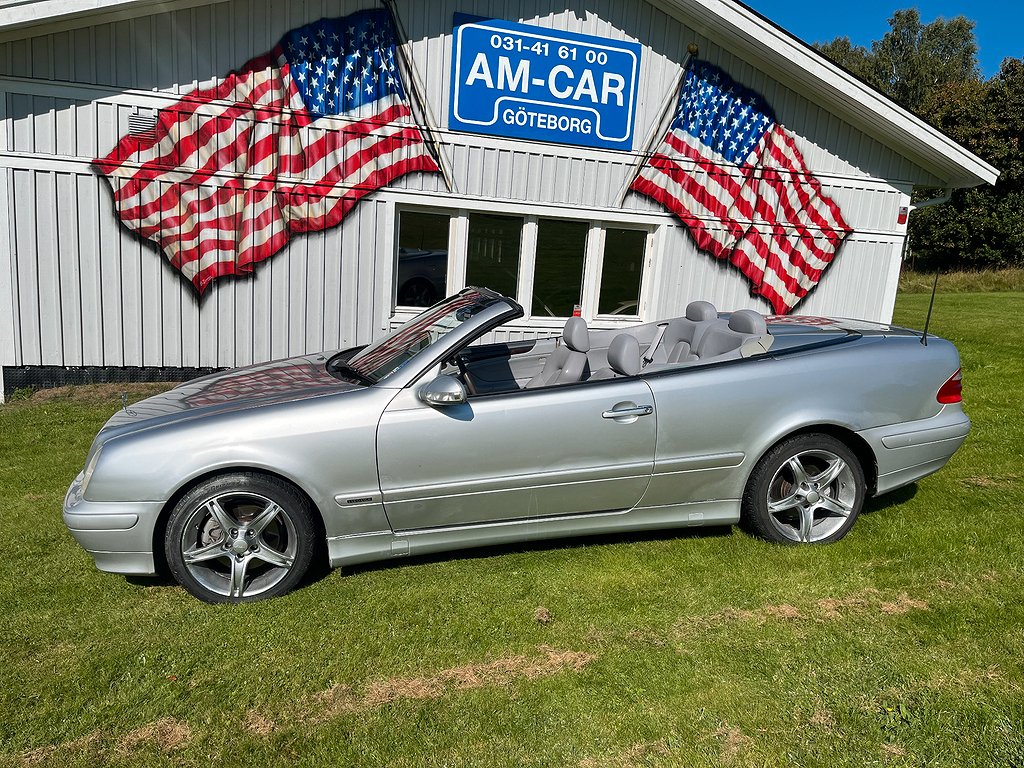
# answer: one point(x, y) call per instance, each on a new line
point(492, 255)
point(558, 271)
point(422, 258)
point(620, 276)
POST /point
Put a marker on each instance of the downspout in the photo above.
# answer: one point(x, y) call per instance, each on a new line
point(948, 193)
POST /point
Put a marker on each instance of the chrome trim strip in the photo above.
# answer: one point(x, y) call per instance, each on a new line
point(520, 482)
point(691, 463)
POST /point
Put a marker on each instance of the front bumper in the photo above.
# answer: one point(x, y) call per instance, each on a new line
point(910, 450)
point(118, 534)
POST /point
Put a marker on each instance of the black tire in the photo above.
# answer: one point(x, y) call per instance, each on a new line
point(417, 292)
point(269, 542)
point(798, 494)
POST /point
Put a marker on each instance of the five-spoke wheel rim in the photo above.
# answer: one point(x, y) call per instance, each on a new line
point(811, 496)
point(238, 544)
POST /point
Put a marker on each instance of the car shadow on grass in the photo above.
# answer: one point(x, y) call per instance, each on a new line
point(540, 545)
point(891, 499)
point(871, 506)
point(319, 568)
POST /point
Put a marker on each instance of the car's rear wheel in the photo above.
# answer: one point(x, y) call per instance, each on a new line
point(808, 489)
point(240, 537)
point(417, 292)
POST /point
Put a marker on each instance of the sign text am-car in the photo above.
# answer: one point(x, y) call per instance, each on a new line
point(529, 82)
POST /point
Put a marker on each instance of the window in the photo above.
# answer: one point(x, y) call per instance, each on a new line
point(623, 265)
point(492, 252)
point(422, 258)
point(558, 266)
point(549, 265)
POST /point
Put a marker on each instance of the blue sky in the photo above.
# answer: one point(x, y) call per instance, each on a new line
point(999, 23)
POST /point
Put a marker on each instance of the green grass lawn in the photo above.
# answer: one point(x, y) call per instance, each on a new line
point(901, 645)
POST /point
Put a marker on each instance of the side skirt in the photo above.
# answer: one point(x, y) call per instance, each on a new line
point(384, 545)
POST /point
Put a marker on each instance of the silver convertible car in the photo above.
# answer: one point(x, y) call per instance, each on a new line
point(437, 437)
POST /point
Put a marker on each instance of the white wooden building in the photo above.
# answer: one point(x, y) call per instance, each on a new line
point(78, 290)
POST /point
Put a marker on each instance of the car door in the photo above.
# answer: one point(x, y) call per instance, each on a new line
point(546, 452)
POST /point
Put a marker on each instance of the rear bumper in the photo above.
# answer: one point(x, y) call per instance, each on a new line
point(911, 450)
point(118, 535)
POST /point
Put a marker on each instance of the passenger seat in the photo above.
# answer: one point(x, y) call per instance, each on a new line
point(568, 362)
point(623, 358)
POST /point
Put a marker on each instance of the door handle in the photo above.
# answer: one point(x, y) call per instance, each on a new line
point(640, 410)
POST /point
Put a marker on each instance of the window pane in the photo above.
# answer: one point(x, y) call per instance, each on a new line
point(492, 256)
point(620, 276)
point(422, 258)
point(558, 273)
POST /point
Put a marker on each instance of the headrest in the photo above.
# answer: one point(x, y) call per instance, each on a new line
point(748, 321)
point(575, 335)
point(624, 355)
point(701, 310)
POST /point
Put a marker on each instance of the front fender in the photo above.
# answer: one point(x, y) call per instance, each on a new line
point(326, 446)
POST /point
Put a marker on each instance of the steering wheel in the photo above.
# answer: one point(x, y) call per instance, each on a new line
point(467, 379)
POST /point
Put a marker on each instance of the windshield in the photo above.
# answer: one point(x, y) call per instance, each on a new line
point(385, 356)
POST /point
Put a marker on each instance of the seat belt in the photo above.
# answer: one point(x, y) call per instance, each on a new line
point(649, 354)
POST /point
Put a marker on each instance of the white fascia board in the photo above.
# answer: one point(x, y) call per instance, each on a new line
point(787, 58)
point(20, 13)
point(27, 18)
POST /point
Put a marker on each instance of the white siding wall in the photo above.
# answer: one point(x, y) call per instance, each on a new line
point(77, 289)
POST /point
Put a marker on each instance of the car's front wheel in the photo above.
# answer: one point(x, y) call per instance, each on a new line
point(240, 537)
point(808, 489)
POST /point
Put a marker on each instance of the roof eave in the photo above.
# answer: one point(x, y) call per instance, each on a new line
point(780, 54)
point(18, 17)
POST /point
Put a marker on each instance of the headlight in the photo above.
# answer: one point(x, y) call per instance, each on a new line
point(89, 469)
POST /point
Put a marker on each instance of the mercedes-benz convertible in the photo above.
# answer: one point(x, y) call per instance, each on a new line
point(438, 437)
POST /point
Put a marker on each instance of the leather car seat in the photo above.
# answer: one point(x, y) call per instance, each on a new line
point(569, 360)
point(744, 325)
point(623, 358)
point(683, 334)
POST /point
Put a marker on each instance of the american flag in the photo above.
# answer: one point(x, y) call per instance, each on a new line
point(736, 178)
point(289, 143)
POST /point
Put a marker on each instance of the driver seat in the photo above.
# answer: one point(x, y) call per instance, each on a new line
point(568, 362)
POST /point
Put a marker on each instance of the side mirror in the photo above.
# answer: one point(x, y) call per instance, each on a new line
point(444, 390)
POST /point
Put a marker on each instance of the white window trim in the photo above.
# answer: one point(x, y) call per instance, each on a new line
point(646, 266)
point(458, 247)
point(396, 211)
point(593, 261)
point(527, 263)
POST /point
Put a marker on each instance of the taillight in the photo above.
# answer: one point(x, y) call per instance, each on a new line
point(952, 390)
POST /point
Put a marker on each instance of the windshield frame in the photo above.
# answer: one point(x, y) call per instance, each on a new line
point(496, 309)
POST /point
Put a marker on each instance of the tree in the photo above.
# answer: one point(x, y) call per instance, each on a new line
point(984, 226)
point(913, 59)
point(853, 58)
point(932, 69)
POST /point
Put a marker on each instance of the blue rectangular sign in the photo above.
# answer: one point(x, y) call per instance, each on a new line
point(529, 82)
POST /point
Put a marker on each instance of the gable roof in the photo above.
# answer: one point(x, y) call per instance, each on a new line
point(760, 41)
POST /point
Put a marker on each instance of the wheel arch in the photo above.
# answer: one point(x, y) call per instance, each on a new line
point(849, 438)
point(160, 529)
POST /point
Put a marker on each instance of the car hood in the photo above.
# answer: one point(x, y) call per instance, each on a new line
point(255, 386)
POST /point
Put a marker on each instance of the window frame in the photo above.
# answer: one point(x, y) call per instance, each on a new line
point(593, 259)
point(646, 262)
point(397, 308)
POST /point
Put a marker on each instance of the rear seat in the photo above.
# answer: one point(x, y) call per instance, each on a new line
point(744, 334)
point(683, 335)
